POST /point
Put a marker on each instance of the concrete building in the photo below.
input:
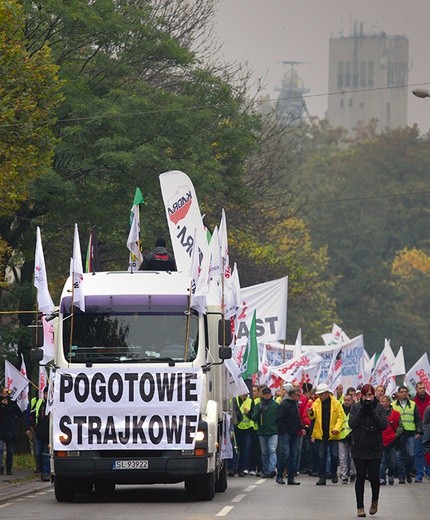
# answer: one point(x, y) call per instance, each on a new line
point(367, 77)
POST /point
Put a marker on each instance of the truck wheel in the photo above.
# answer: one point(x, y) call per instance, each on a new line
point(201, 487)
point(104, 488)
point(65, 489)
point(221, 482)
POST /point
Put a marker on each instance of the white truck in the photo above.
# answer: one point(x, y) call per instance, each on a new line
point(138, 387)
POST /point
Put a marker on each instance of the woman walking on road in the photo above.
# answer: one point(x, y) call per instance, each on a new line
point(367, 419)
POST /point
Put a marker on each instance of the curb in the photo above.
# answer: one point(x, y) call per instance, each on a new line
point(21, 488)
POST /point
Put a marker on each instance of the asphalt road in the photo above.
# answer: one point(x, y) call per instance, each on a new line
point(246, 498)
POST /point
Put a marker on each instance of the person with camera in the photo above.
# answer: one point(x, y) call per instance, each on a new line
point(367, 420)
point(9, 415)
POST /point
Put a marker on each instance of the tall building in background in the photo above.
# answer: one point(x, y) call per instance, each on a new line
point(367, 77)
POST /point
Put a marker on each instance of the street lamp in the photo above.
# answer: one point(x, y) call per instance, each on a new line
point(421, 93)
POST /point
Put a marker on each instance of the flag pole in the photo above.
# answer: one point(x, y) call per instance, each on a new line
point(187, 330)
point(71, 317)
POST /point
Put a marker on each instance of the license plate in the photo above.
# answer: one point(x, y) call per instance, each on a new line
point(130, 464)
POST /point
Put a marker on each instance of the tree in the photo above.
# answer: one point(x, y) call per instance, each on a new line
point(29, 94)
point(369, 201)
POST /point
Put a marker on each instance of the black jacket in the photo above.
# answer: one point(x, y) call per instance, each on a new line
point(158, 260)
point(367, 422)
point(288, 417)
point(9, 416)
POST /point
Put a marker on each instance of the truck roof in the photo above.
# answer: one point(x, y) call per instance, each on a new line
point(125, 290)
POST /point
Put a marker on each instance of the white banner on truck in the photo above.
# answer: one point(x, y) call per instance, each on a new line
point(126, 408)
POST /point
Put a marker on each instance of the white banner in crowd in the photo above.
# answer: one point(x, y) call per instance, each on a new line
point(269, 299)
point(352, 359)
point(126, 408)
point(419, 373)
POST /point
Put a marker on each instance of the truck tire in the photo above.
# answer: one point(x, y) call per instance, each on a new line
point(104, 488)
point(201, 487)
point(65, 489)
point(221, 482)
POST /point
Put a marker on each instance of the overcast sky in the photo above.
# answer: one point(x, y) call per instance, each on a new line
point(266, 32)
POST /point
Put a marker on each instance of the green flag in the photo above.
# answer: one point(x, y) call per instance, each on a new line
point(250, 356)
point(138, 199)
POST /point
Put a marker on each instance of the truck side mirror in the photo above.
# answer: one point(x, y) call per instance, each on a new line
point(36, 330)
point(224, 353)
point(224, 333)
point(36, 354)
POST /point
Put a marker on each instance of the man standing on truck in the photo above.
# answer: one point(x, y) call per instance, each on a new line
point(159, 259)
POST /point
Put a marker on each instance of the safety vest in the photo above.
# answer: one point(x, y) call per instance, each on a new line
point(246, 422)
point(407, 415)
point(346, 430)
point(37, 409)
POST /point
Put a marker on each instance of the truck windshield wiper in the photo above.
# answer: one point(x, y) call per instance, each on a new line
point(169, 360)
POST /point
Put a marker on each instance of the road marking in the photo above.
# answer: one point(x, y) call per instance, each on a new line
point(6, 505)
point(238, 498)
point(250, 488)
point(261, 481)
point(225, 511)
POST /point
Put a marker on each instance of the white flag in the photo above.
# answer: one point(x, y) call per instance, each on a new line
point(200, 265)
point(336, 336)
point(183, 216)
point(265, 377)
point(234, 384)
point(419, 373)
point(77, 272)
point(43, 380)
point(335, 370)
point(398, 368)
point(306, 366)
point(223, 242)
point(215, 250)
point(382, 369)
point(297, 352)
point(22, 399)
point(48, 341)
point(134, 237)
point(14, 380)
point(44, 300)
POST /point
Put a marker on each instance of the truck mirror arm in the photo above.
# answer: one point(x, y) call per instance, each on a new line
point(208, 366)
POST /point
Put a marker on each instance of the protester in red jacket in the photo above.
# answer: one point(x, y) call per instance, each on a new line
point(422, 400)
point(389, 436)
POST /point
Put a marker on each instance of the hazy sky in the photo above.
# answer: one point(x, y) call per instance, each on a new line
point(266, 32)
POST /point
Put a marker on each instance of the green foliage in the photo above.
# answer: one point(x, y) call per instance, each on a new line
point(369, 201)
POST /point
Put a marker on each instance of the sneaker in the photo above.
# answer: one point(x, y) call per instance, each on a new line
point(230, 473)
point(265, 475)
point(408, 479)
point(352, 478)
point(246, 472)
point(334, 479)
point(293, 483)
point(259, 474)
point(402, 480)
point(272, 474)
point(382, 482)
point(344, 481)
point(252, 473)
point(418, 480)
point(45, 478)
point(391, 480)
point(280, 480)
point(242, 474)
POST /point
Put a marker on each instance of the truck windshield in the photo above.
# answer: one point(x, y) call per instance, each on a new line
point(130, 337)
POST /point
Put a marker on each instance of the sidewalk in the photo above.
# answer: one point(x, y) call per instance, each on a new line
point(22, 482)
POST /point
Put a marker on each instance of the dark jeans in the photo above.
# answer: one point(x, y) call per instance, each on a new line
point(9, 453)
point(42, 457)
point(323, 447)
point(287, 455)
point(371, 469)
point(306, 462)
point(244, 442)
point(388, 462)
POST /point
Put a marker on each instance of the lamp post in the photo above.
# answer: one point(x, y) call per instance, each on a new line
point(421, 93)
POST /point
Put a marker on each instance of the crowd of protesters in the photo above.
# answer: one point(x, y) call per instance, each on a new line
point(355, 435)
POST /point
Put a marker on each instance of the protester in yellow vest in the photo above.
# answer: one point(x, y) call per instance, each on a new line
point(345, 459)
point(412, 428)
point(243, 429)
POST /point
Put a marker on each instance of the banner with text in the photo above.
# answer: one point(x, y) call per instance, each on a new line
point(126, 408)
